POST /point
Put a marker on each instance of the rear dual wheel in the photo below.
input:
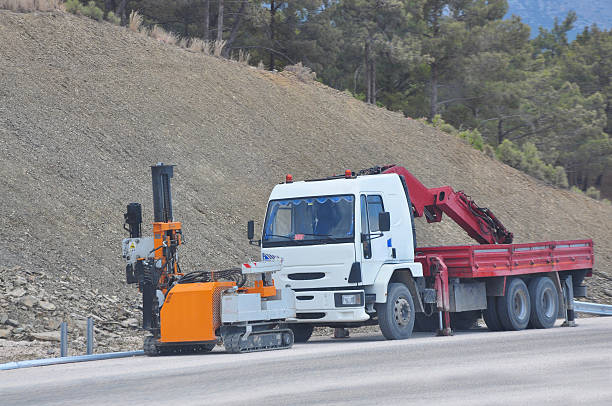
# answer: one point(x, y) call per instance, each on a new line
point(511, 311)
point(490, 316)
point(544, 302)
point(514, 308)
point(522, 306)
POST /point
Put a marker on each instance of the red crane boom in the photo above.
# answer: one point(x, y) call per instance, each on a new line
point(479, 222)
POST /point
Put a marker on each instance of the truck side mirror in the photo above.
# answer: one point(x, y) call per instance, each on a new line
point(384, 221)
point(250, 229)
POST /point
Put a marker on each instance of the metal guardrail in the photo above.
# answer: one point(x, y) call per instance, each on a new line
point(67, 360)
point(64, 359)
point(593, 308)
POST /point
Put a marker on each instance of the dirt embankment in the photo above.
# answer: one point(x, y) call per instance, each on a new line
point(86, 107)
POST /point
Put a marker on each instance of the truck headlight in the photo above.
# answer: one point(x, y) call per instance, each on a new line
point(351, 299)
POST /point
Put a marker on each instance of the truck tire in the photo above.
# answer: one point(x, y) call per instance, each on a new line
point(301, 331)
point(514, 309)
point(464, 320)
point(544, 302)
point(490, 315)
point(396, 317)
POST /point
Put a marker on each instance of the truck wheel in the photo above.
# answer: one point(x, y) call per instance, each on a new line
point(464, 320)
point(490, 315)
point(544, 302)
point(514, 308)
point(301, 332)
point(396, 317)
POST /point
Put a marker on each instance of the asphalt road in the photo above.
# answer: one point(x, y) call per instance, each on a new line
point(556, 366)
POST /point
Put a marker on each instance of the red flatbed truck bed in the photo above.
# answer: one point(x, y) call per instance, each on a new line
point(499, 266)
point(494, 260)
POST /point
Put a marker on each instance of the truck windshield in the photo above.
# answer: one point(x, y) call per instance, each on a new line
point(309, 221)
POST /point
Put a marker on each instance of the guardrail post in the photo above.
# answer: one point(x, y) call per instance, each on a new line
point(90, 335)
point(63, 339)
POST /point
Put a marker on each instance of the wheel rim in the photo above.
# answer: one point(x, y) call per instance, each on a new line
point(548, 303)
point(520, 305)
point(401, 311)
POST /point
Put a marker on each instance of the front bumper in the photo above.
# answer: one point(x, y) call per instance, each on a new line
point(320, 307)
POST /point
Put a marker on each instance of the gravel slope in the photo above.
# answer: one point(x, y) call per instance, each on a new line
point(86, 107)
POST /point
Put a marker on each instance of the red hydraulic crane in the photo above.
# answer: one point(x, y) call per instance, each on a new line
point(479, 222)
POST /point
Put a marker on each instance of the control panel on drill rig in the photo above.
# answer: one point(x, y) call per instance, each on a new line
point(195, 311)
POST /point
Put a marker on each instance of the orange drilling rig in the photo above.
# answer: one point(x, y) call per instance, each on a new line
point(193, 312)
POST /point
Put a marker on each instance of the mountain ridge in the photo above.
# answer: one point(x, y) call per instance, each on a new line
point(542, 13)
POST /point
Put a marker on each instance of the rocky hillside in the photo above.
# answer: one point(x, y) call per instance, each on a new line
point(86, 107)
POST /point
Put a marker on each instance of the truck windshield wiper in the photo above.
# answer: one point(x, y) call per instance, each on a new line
point(278, 235)
point(322, 235)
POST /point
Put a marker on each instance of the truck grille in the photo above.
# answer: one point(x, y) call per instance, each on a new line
point(306, 276)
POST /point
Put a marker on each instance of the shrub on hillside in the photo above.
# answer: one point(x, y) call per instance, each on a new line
point(532, 162)
point(560, 177)
point(593, 193)
point(93, 11)
point(73, 6)
point(441, 125)
point(489, 151)
point(529, 160)
point(112, 18)
point(509, 154)
point(576, 189)
point(473, 138)
point(90, 10)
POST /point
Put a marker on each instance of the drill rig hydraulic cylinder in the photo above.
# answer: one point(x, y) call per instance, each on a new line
point(162, 197)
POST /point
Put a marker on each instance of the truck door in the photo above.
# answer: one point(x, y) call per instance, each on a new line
point(374, 250)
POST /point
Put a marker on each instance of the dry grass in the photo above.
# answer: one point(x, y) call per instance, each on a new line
point(196, 45)
point(163, 36)
point(207, 47)
point(218, 47)
point(303, 73)
point(30, 5)
point(184, 42)
point(244, 57)
point(135, 22)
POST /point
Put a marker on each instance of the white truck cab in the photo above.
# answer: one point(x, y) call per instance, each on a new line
point(337, 256)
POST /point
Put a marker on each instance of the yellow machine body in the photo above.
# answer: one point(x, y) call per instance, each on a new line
point(191, 312)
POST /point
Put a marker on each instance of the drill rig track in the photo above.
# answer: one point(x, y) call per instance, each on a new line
point(265, 340)
point(152, 348)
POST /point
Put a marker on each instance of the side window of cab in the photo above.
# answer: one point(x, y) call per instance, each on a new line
point(371, 206)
